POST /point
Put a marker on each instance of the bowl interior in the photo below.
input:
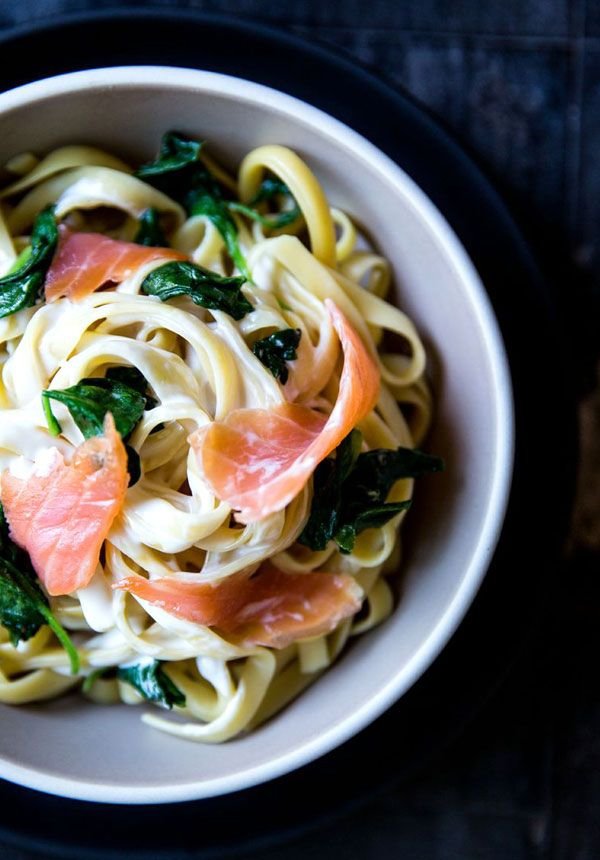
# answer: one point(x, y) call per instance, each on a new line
point(82, 750)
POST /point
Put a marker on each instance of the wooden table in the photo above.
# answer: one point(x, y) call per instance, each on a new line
point(519, 84)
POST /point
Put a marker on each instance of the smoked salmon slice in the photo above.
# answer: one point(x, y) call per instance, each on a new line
point(84, 262)
point(271, 608)
point(257, 460)
point(62, 513)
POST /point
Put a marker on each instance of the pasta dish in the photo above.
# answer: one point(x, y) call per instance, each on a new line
point(209, 428)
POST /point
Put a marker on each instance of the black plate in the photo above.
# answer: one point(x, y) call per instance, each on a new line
point(470, 668)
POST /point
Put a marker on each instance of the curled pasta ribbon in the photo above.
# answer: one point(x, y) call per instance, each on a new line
point(304, 187)
point(63, 159)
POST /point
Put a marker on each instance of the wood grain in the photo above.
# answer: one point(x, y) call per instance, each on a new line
point(518, 82)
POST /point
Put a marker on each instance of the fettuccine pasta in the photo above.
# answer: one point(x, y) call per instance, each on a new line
point(200, 586)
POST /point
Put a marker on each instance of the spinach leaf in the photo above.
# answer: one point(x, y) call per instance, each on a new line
point(123, 392)
point(179, 172)
point(270, 187)
point(173, 170)
point(328, 480)
point(19, 609)
point(90, 400)
point(150, 679)
point(273, 351)
point(202, 202)
point(348, 501)
point(355, 521)
point(375, 472)
point(24, 607)
point(8, 548)
point(20, 261)
point(367, 487)
point(22, 287)
point(133, 378)
point(273, 222)
point(150, 233)
point(53, 425)
point(204, 287)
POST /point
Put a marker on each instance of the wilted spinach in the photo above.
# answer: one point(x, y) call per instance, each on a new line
point(270, 188)
point(24, 607)
point(350, 491)
point(276, 349)
point(122, 392)
point(23, 285)
point(205, 288)
point(179, 172)
point(150, 233)
point(152, 682)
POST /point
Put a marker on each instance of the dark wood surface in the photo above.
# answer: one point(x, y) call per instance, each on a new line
point(519, 83)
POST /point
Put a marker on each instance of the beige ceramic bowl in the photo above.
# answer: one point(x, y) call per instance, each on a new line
point(73, 748)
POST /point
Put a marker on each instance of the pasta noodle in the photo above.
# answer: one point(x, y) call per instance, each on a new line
point(200, 368)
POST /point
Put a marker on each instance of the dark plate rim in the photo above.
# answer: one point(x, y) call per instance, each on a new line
point(426, 124)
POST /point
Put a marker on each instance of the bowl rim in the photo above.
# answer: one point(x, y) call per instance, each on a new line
point(175, 77)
